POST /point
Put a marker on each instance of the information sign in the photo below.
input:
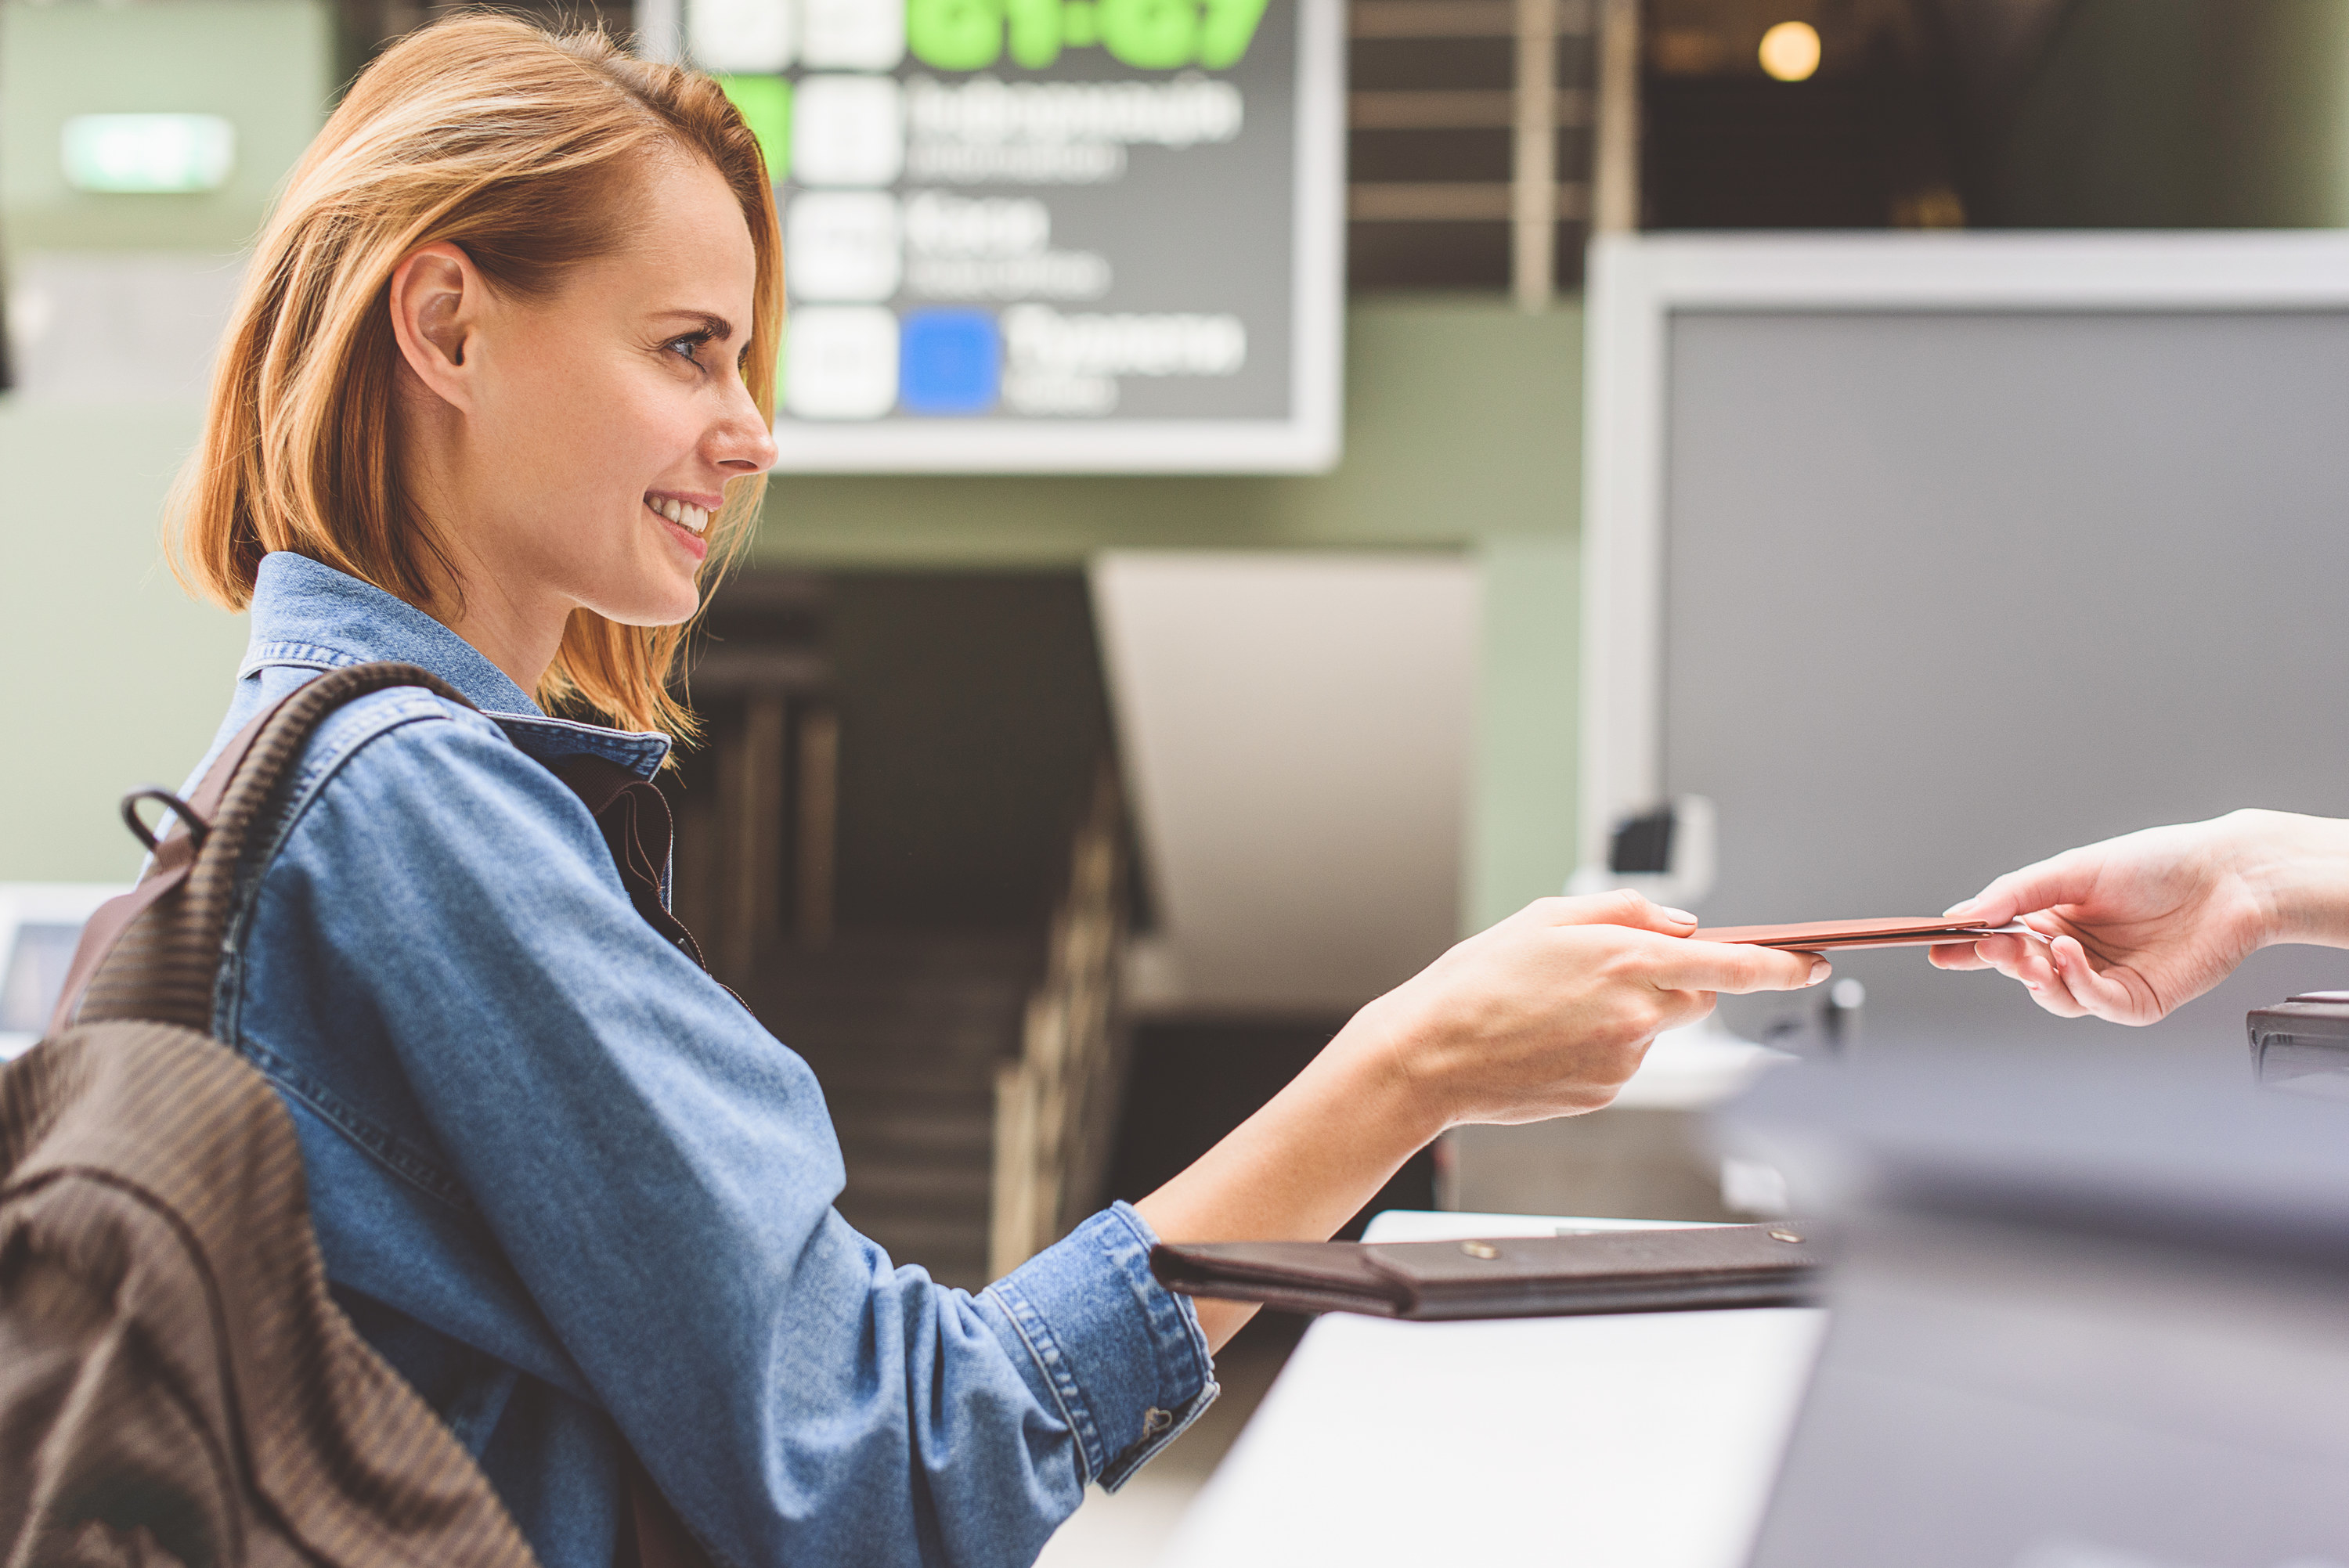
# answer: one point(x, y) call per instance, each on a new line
point(1036, 235)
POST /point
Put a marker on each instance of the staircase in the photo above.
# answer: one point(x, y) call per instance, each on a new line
point(905, 1030)
point(902, 843)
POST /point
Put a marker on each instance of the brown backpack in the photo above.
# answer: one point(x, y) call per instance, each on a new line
point(176, 1386)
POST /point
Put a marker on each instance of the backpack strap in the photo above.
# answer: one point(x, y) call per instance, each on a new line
point(174, 855)
point(155, 952)
point(634, 817)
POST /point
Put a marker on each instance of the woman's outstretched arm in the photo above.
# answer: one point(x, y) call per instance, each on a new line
point(1544, 1015)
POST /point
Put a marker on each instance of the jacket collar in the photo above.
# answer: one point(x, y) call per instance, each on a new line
point(307, 615)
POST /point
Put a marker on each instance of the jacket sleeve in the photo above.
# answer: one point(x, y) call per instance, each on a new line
point(660, 1171)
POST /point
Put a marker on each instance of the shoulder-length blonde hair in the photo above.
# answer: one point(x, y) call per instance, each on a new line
point(520, 147)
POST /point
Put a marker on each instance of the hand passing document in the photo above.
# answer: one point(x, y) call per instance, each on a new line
point(1818, 936)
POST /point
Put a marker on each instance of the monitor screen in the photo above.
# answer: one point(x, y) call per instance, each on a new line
point(1948, 590)
point(36, 968)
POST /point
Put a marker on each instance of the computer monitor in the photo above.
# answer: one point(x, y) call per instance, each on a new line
point(2088, 1314)
point(1923, 556)
point(40, 923)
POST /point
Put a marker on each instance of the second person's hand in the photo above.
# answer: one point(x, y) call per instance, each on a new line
point(2134, 927)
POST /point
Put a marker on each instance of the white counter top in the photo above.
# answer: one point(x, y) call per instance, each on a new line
point(1644, 1440)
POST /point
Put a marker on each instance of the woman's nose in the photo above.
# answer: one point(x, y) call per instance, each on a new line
point(745, 442)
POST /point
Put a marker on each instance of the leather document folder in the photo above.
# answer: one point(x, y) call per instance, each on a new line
point(1704, 1266)
point(1819, 935)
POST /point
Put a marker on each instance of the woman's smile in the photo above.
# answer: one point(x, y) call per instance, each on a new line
point(686, 518)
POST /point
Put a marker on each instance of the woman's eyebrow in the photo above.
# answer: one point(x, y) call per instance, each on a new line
point(718, 326)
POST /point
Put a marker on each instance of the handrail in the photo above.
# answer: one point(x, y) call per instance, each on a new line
point(1056, 1104)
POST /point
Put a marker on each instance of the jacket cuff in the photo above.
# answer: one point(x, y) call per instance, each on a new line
point(1121, 1356)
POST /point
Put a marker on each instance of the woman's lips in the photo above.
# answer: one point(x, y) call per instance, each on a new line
point(693, 543)
point(692, 512)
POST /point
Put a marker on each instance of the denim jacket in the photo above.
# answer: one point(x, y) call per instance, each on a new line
point(575, 1194)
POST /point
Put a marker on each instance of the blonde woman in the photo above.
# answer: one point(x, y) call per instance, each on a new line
point(495, 400)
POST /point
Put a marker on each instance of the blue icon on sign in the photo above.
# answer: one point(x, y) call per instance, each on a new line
point(949, 362)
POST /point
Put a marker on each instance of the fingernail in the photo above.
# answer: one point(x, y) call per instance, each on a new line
point(1681, 915)
point(1960, 911)
point(1820, 970)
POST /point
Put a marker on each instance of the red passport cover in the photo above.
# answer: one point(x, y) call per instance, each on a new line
point(1817, 935)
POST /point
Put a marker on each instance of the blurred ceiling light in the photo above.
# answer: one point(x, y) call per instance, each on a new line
point(148, 154)
point(1790, 51)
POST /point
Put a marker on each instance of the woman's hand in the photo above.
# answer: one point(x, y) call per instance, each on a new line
point(1548, 1013)
point(1544, 1015)
point(2141, 925)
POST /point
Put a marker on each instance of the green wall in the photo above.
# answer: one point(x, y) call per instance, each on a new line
point(265, 64)
point(1463, 432)
point(115, 677)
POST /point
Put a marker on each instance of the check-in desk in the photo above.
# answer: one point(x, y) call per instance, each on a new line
point(1645, 1441)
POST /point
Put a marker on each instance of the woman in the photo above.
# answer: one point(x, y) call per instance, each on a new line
point(495, 399)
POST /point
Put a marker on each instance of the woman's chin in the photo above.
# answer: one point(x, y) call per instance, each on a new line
point(665, 602)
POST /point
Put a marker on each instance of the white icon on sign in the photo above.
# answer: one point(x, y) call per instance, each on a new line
point(852, 34)
point(738, 35)
point(841, 245)
point(840, 362)
point(847, 130)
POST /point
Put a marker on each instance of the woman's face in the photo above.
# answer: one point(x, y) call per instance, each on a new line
point(587, 438)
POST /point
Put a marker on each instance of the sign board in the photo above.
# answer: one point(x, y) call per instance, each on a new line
point(1050, 236)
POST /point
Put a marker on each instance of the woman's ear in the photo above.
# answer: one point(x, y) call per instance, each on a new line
point(435, 307)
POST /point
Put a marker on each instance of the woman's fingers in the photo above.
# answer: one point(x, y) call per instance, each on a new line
point(1960, 954)
point(1620, 908)
point(1673, 1010)
point(1735, 967)
point(1680, 964)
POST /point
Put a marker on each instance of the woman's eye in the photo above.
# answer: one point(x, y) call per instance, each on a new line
point(689, 345)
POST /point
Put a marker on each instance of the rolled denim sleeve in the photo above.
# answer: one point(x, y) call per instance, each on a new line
point(658, 1173)
point(1123, 1357)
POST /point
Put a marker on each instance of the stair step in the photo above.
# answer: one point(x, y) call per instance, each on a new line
point(901, 1187)
point(967, 1145)
point(904, 1032)
point(947, 1248)
point(970, 1147)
